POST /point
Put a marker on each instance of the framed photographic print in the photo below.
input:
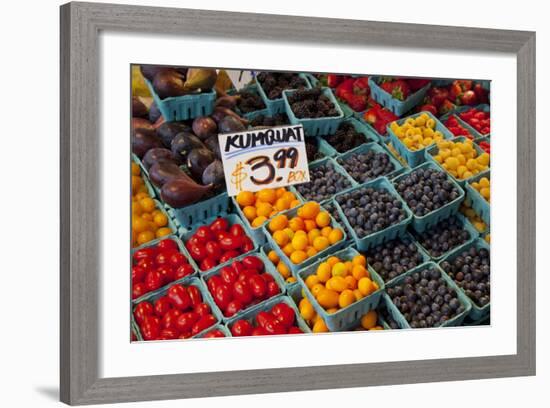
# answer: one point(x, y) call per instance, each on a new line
point(239, 198)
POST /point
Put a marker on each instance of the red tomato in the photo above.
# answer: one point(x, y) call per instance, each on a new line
point(167, 273)
point(203, 233)
point(138, 290)
point(231, 243)
point(194, 240)
point(284, 314)
point(259, 331)
point(177, 259)
point(202, 309)
point(138, 274)
point(150, 328)
point(144, 253)
point(214, 333)
point(213, 250)
point(267, 277)
point(247, 245)
point(274, 327)
point(241, 328)
point(246, 274)
point(204, 323)
point(163, 257)
point(232, 308)
point(194, 295)
point(213, 283)
point(182, 271)
point(258, 286)
point(147, 264)
point(185, 335)
point(179, 297)
point(186, 321)
point(237, 230)
point(219, 235)
point(208, 263)
point(228, 275)
point(238, 267)
point(228, 255)
point(198, 252)
point(167, 245)
point(153, 280)
point(142, 310)
point(162, 306)
point(272, 289)
point(262, 318)
point(253, 262)
point(222, 295)
point(295, 330)
point(168, 334)
point(220, 224)
point(170, 319)
point(242, 292)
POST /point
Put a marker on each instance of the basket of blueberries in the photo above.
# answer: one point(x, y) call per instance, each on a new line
point(427, 297)
point(373, 212)
point(430, 193)
point(470, 267)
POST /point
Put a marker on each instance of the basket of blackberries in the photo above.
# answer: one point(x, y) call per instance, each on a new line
point(272, 84)
point(370, 161)
point(427, 297)
point(326, 178)
point(373, 212)
point(470, 267)
point(350, 134)
point(316, 109)
point(448, 234)
point(430, 193)
point(396, 257)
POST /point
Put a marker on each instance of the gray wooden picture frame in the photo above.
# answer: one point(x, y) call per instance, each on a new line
point(81, 24)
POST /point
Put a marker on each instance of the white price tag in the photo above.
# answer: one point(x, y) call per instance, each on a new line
point(265, 158)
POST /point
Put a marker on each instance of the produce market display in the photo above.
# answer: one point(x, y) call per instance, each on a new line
point(390, 232)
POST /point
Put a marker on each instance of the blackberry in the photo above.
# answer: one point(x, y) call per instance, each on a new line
point(249, 101)
point(274, 83)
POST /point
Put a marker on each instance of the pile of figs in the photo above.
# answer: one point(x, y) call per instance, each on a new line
point(177, 81)
point(183, 157)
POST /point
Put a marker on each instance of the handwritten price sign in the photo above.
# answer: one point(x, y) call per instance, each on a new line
point(266, 158)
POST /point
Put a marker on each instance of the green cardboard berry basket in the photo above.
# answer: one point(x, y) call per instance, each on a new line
point(395, 105)
point(338, 168)
point(434, 150)
point(466, 225)
point(406, 236)
point(477, 312)
point(479, 204)
point(264, 250)
point(184, 107)
point(330, 249)
point(171, 224)
point(266, 306)
point(316, 126)
point(257, 232)
point(387, 234)
point(219, 327)
point(483, 107)
point(463, 299)
point(276, 105)
point(349, 316)
point(416, 157)
point(181, 248)
point(269, 268)
point(187, 281)
point(377, 148)
point(232, 219)
point(420, 224)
